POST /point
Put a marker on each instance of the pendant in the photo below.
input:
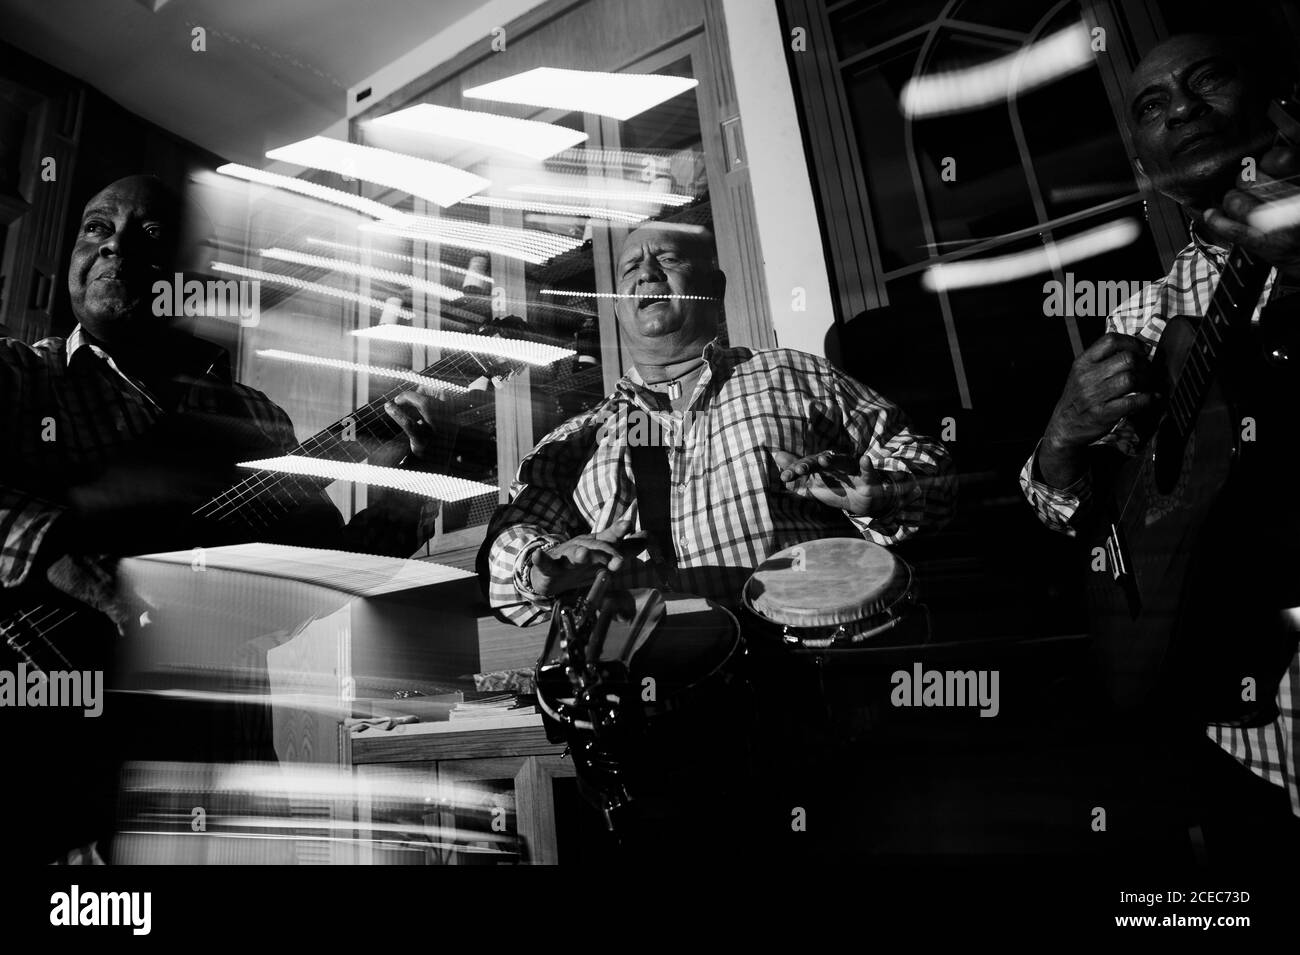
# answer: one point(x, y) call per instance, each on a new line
point(674, 390)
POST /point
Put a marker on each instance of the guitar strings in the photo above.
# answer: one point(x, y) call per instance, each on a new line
point(255, 487)
point(369, 414)
point(42, 628)
point(246, 491)
point(259, 484)
point(1189, 378)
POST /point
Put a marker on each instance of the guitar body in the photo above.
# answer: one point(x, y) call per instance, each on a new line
point(1204, 540)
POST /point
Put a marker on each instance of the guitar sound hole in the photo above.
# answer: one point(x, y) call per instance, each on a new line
point(1168, 457)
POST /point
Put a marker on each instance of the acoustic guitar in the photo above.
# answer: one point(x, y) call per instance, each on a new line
point(1200, 529)
point(39, 626)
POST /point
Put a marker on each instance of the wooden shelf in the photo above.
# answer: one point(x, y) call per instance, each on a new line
point(416, 742)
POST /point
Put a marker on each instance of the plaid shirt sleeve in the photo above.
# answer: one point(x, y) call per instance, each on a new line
point(25, 518)
point(539, 513)
point(25, 522)
point(919, 468)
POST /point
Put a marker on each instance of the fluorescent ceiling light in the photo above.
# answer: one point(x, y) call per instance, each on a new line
point(430, 263)
point(437, 182)
point(439, 487)
point(307, 188)
point(421, 381)
point(529, 245)
point(530, 353)
point(620, 95)
point(1275, 215)
point(1037, 64)
point(524, 136)
point(628, 160)
point(1008, 268)
point(557, 209)
point(563, 294)
point(607, 195)
point(291, 282)
point(444, 292)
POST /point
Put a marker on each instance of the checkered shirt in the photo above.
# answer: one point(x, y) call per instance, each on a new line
point(728, 508)
point(1269, 751)
point(69, 409)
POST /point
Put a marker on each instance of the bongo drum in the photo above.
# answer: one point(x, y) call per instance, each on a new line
point(657, 696)
point(832, 594)
point(695, 646)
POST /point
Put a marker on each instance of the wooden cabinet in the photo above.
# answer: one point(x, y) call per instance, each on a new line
point(495, 794)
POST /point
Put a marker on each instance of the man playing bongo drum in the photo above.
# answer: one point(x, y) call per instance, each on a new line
point(757, 450)
point(710, 459)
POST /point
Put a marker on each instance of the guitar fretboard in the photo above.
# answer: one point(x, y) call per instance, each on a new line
point(1229, 312)
point(265, 497)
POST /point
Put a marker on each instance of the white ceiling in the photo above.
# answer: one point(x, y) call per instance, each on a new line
point(275, 71)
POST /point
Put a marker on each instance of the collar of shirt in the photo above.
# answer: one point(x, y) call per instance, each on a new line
point(1217, 257)
point(1212, 250)
point(78, 342)
point(195, 357)
point(634, 387)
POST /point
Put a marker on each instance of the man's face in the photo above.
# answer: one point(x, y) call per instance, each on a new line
point(654, 267)
point(125, 242)
point(1195, 110)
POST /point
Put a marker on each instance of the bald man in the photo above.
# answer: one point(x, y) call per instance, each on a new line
point(111, 437)
point(772, 448)
point(1196, 108)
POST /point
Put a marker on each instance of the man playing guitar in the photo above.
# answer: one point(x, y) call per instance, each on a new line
point(1198, 119)
point(110, 438)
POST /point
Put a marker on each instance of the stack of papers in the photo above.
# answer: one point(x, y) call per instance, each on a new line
point(487, 705)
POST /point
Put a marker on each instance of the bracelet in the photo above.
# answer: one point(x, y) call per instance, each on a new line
point(524, 567)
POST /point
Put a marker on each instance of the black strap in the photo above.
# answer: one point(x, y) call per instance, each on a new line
point(653, 478)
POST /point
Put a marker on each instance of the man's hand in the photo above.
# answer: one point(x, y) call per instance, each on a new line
point(1109, 381)
point(1236, 220)
point(417, 412)
point(576, 562)
point(837, 480)
point(93, 581)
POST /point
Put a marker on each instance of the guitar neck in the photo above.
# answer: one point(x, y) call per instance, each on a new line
point(1230, 309)
point(1232, 304)
point(268, 495)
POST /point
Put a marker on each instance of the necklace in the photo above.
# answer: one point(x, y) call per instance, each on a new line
point(675, 384)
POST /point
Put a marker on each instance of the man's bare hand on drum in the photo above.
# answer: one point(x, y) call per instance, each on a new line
point(576, 562)
point(838, 480)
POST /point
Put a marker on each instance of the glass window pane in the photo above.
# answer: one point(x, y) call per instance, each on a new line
point(1021, 15)
point(867, 23)
point(873, 90)
point(986, 194)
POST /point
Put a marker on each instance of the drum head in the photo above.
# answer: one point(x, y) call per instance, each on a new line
point(827, 583)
